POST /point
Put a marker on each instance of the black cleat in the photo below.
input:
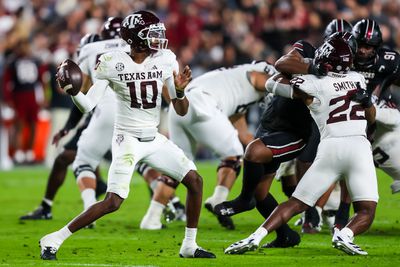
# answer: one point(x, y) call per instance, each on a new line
point(291, 239)
point(101, 188)
point(223, 220)
point(38, 214)
point(201, 253)
point(236, 206)
point(48, 253)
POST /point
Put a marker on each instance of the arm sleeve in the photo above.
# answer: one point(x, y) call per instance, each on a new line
point(169, 81)
point(277, 88)
point(388, 116)
point(87, 102)
point(75, 116)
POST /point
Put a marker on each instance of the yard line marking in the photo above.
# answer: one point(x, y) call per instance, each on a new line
point(101, 265)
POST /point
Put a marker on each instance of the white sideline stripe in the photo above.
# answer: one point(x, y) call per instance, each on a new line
point(93, 264)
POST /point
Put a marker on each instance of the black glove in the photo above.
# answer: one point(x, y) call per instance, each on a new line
point(361, 96)
point(318, 69)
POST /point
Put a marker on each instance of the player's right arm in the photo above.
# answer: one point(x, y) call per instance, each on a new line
point(239, 122)
point(87, 102)
point(388, 116)
point(292, 63)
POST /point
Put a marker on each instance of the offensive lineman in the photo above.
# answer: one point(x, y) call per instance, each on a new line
point(138, 80)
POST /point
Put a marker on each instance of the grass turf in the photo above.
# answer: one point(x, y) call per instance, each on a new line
point(117, 240)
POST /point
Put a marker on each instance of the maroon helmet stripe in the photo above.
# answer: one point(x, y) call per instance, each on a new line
point(339, 26)
point(370, 27)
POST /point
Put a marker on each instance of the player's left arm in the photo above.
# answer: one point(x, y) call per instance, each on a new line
point(176, 90)
point(239, 122)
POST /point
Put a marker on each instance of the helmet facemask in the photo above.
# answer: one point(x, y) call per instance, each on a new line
point(154, 35)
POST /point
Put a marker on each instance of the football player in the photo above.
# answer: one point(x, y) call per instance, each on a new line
point(218, 100)
point(380, 67)
point(138, 80)
point(343, 150)
point(66, 157)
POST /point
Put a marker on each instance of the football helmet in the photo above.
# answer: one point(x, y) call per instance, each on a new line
point(335, 54)
point(337, 25)
point(87, 39)
point(367, 33)
point(143, 30)
point(111, 28)
point(348, 37)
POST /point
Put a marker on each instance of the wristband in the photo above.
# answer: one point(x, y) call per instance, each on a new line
point(180, 94)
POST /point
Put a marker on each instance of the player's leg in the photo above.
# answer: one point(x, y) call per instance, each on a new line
point(265, 205)
point(119, 177)
point(170, 160)
point(261, 155)
point(309, 189)
point(162, 194)
point(92, 146)
point(343, 212)
point(55, 180)
point(362, 184)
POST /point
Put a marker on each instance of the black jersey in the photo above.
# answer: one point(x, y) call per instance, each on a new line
point(285, 114)
point(383, 72)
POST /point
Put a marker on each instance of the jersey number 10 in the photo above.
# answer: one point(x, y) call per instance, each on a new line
point(145, 103)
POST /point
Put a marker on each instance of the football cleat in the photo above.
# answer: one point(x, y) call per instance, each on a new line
point(223, 220)
point(198, 253)
point(236, 206)
point(312, 221)
point(291, 239)
point(345, 243)
point(242, 246)
point(38, 214)
point(48, 247)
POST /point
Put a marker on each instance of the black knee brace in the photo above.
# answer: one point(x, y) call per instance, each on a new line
point(168, 181)
point(236, 165)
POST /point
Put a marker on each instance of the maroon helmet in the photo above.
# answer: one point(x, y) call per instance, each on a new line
point(336, 54)
point(111, 28)
point(143, 30)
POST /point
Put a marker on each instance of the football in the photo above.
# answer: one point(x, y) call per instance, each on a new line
point(69, 77)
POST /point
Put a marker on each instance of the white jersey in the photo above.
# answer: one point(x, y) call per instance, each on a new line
point(230, 87)
point(138, 88)
point(90, 54)
point(333, 111)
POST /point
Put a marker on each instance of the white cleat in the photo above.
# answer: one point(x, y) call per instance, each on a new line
point(147, 224)
point(242, 246)
point(345, 243)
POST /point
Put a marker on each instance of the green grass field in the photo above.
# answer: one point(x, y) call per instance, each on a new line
point(117, 240)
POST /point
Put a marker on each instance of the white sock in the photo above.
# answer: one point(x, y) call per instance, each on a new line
point(57, 238)
point(89, 197)
point(348, 232)
point(259, 234)
point(190, 237)
point(220, 195)
point(319, 210)
point(48, 201)
point(153, 185)
point(155, 210)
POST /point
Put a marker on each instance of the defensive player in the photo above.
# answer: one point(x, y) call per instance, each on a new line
point(343, 150)
point(138, 80)
point(380, 68)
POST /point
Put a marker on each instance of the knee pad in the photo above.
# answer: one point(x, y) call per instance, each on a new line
point(168, 181)
point(142, 168)
point(236, 165)
point(84, 171)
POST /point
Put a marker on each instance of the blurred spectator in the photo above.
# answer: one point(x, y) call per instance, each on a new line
point(23, 91)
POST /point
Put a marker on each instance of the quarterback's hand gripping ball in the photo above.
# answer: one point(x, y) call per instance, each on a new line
point(69, 77)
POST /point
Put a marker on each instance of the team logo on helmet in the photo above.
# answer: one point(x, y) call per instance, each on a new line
point(133, 21)
point(325, 50)
point(119, 66)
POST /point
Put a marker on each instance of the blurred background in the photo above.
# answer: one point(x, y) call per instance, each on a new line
point(35, 36)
